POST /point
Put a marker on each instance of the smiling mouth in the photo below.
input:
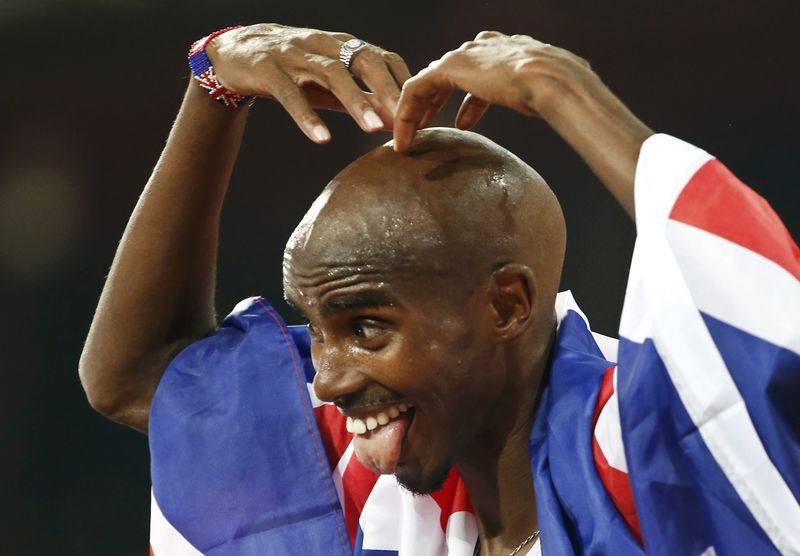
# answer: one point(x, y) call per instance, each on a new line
point(378, 439)
point(366, 423)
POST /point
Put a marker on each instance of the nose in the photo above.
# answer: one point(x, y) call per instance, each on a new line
point(337, 375)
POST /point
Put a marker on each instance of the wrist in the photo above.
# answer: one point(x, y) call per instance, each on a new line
point(205, 106)
point(601, 129)
point(551, 86)
point(205, 75)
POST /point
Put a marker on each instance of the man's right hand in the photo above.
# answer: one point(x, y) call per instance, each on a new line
point(159, 295)
point(300, 68)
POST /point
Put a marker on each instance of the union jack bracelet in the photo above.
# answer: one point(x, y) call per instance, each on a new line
point(204, 74)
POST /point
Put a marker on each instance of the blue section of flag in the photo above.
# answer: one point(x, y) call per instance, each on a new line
point(199, 62)
point(768, 378)
point(575, 514)
point(684, 501)
point(302, 341)
point(237, 463)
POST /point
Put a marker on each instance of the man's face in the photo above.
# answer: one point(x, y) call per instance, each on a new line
point(385, 338)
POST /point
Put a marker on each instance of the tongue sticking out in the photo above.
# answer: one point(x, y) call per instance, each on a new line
point(379, 450)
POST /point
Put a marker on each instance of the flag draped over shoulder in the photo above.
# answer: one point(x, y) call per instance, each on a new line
point(237, 464)
point(709, 361)
point(689, 445)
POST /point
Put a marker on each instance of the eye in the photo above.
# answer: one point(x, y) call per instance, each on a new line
point(367, 329)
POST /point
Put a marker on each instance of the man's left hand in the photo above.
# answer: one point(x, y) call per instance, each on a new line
point(517, 72)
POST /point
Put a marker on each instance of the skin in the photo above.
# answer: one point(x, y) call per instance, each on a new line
point(395, 239)
point(481, 255)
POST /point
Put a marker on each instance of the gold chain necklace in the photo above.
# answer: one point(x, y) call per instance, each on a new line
point(532, 537)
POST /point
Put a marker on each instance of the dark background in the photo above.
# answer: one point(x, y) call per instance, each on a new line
point(89, 90)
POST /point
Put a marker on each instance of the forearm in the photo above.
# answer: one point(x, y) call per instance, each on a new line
point(601, 129)
point(159, 295)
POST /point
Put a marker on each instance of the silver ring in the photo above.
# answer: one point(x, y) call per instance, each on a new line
point(348, 51)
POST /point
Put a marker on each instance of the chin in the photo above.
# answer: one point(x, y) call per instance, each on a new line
point(417, 482)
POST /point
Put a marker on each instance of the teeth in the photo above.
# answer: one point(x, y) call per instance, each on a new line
point(360, 426)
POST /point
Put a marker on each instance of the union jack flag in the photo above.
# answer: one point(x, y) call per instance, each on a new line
point(690, 444)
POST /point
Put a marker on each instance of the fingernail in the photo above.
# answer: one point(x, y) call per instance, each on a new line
point(398, 142)
point(470, 112)
point(320, 133)
point(372, 120)
point(466, 119)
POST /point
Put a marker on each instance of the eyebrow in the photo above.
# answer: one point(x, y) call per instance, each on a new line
point(360, 300)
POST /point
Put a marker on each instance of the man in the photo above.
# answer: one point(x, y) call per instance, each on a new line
point(428, 272)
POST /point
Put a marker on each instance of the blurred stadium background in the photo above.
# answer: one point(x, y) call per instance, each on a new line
point(90, 88)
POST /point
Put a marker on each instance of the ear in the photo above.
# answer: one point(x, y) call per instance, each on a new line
point(513, 293)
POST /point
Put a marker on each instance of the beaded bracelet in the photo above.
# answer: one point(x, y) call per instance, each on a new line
point(204, 73)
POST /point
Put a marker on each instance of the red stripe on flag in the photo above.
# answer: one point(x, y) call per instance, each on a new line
point(333, 430)
point(616, 482)
point(151, 551)
point(357, 484)
point(716, 201)
point(618, 486)
point(606, 391)
point(452, 498)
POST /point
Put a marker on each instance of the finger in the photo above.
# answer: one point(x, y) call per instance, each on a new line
point(398, 67)
point(324, 99)
point(470, 112)
point(291, 97)
point(370, 67)
point(353, 99)
point(415, 99)
point(434, 108)
point(320, 97)
point(342, 37)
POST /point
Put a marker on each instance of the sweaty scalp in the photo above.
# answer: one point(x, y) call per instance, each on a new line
point(454, 203)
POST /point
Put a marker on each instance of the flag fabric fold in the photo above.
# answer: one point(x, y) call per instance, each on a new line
point(237, 464)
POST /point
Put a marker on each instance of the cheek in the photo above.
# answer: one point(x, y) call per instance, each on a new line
point(450, 367)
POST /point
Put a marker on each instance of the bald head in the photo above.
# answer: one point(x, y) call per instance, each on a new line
point(429, 278)
point(455, 202)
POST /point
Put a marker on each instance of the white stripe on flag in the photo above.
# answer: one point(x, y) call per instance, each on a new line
point(738, 286)
point(338, 473)
point(461, 533)
point(395, 519)
point(381, 516)
point(664, 168)
point(609, 346)
point(164, 538)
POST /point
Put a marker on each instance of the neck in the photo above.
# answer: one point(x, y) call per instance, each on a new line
point(497, 467)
